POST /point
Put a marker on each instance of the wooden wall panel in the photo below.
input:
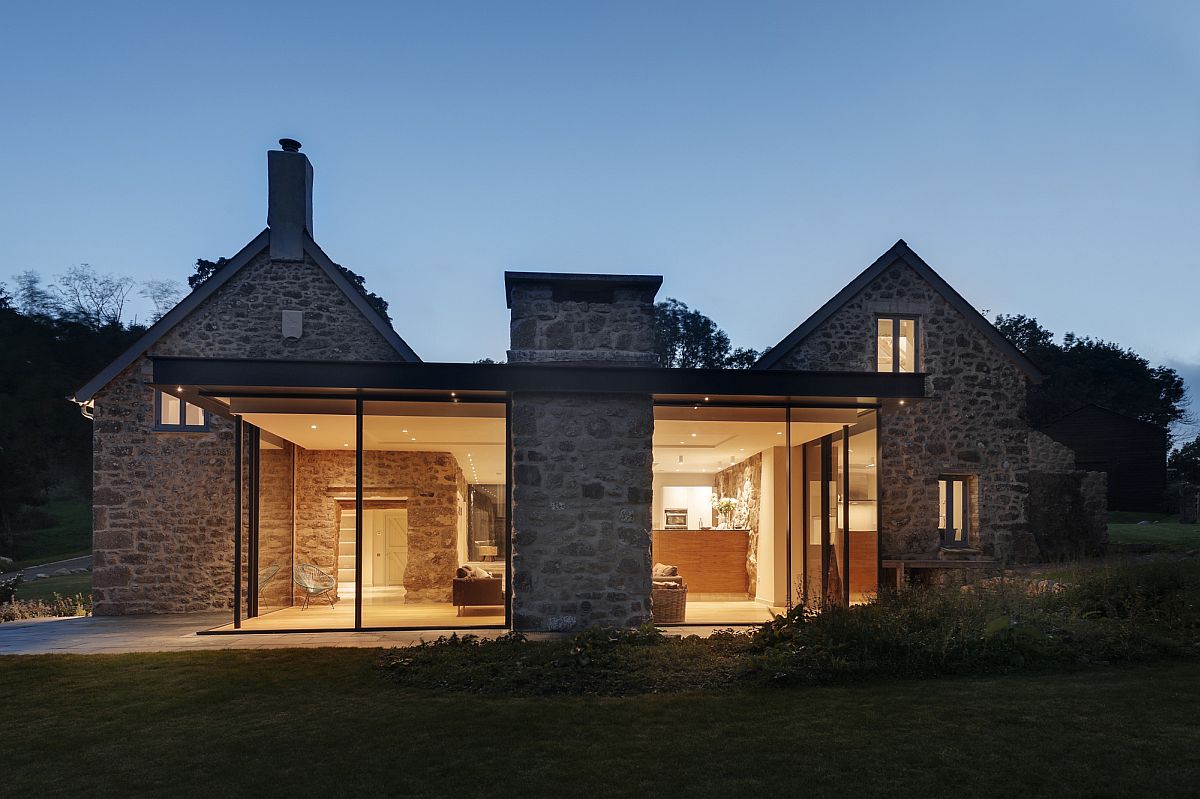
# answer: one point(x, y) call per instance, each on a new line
point(710, 562)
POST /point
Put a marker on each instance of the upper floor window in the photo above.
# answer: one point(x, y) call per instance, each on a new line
point(172, 413)
point(897, 343)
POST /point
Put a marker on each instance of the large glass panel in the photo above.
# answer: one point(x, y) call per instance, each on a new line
point(719, 514)
point(305, 577)
point(835, 586)
point(434, 514)
point(863, 508)
point(831, 501)
point(884, 337)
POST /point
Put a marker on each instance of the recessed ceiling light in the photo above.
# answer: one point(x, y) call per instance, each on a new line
point(779, 434)
point(345, 445)
point(412, 439)
point(405, 430)
point(313, 426)
point(706, 399)
point(693, 435)
point(453, 394)
point(179, 388)
point(743, 449)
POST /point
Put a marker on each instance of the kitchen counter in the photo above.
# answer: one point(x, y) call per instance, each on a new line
point(711, 561)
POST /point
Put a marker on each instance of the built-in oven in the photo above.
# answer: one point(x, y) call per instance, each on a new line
point(677, 518)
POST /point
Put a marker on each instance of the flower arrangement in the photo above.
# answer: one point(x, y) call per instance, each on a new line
point(725, 508)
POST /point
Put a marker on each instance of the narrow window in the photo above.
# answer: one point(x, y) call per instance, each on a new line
point(896, 339)
point(172, 413)
point(954, 512)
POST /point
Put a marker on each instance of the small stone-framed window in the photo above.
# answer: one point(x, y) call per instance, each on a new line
point(898, 344)
point(954, 511)
point(172, 413)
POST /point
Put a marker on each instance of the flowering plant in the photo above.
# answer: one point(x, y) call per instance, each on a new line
point(725, 507)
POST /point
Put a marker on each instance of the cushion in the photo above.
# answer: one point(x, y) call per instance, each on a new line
point(662, 570)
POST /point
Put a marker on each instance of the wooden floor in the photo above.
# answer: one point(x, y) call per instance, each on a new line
point(445, 616)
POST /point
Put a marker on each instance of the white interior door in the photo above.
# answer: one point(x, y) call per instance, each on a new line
point(389, 536)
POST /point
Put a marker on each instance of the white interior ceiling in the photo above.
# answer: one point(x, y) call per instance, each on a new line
point(476, 443)
point(707, 443)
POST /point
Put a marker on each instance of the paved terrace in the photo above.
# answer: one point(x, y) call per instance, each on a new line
point(177, 633)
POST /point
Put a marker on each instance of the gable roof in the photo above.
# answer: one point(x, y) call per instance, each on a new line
point(219, 279)
point(900, 251)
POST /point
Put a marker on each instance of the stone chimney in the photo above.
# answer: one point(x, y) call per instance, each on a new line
point(289, 200)
point(567, 319)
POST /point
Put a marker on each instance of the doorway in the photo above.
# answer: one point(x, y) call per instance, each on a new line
point(385, 547)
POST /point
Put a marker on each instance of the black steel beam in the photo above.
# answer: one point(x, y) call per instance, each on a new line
point(222, 377)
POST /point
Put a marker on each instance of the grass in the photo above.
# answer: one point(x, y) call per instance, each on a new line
point(1163, 531)
point(327, 722)
point(64, 586)
point(69, 536)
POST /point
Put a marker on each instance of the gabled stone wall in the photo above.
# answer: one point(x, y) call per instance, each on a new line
point(163, 528)
point(973, 424)
point(244, 319)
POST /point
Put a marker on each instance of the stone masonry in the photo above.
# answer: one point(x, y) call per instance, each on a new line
point(428, 481)
point(544, 329)
point(973, 424)
point(582, 483)
point(163, 503)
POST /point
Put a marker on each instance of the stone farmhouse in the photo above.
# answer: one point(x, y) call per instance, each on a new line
point(273, 447)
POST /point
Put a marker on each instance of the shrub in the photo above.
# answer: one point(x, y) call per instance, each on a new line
point(57, 606)
point(1109, 613)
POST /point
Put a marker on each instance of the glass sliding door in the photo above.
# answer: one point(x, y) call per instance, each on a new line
point(834, 503)
point(301, 535)
point(863, 508)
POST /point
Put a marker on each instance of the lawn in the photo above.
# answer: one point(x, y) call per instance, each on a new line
point(64, 586)
point(70, 536)
point(328, 723)
point(1164, 531)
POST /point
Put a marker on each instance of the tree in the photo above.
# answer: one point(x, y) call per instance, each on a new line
point(163, 295)
point(206, 269)
point(1087, 371)
point(31, 299)
point(90, 298)
point(1185, 460)
point(686, 338)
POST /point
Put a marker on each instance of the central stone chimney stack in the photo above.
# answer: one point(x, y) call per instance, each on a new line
point(568, 319)
point(289, 200)
point(581, 469)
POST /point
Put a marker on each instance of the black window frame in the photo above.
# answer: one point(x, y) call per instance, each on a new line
point(896, 319)
point(182, 426)
point(944, 532)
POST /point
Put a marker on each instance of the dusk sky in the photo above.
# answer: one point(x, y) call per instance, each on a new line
point(1043, 157)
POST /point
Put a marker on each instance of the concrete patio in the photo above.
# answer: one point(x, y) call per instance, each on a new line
point(177, 633)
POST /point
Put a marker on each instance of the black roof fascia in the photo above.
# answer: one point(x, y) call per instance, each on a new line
point(220, 377)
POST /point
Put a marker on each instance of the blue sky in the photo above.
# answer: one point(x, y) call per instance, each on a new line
point(1044, 157)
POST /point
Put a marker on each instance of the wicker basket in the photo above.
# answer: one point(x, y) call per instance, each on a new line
point(668, 605)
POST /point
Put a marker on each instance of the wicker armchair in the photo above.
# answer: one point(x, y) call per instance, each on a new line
point(315, 582)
